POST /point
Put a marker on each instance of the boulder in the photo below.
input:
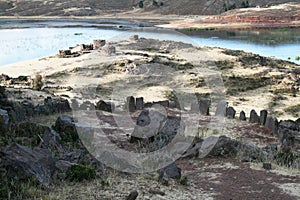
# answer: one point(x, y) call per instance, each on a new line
point(254, 118)
point(133, 195)
point(290, 124)
point(263, 116)
point(221, 108)
point(87, 105)
point(218, 146)
point(65, 123)
point(61, 106)
point(22, 162)
point(171, 171)
point(140, 103)
point(105, 106)
point(242, 116)
point(148, 125)
point(230, 113)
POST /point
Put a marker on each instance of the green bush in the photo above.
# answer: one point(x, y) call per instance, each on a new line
point(80, 172)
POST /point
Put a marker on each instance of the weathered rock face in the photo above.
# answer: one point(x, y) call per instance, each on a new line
point(243, 116)
point(230, 113)
point(22, 162)
point(263, 116)
point(254, 118)
point(221, 108)
point(105, 106)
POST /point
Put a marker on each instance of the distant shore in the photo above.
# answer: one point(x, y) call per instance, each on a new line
point(172, 21)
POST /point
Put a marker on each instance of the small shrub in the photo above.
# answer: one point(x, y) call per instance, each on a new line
point(286, 159)
point(38, 82)
point(297, 58)
point(141, 4)
point(80, 172)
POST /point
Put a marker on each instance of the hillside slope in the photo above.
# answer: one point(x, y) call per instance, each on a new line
point(99, 7)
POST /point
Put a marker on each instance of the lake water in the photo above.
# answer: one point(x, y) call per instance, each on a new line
point(29, 39)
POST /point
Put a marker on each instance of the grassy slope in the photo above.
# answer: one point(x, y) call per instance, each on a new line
point(98, 7)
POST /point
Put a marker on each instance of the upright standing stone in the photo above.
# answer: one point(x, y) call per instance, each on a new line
point(204, 106)
point(139, 103)
point(254, 118)
point(230, 112)
point(272, 124)
point(242, 116)
point(130, 104)
point(221, 108)
point(263, 116)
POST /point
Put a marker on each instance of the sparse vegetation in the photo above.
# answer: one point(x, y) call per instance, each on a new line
point(245, 4)
point(235, 84)
point(294, 110)
point(227, 7)
point(79, 173)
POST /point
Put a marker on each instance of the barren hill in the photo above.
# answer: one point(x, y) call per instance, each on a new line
point(99, 7)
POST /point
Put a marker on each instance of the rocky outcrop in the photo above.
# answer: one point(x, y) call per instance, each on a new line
point(22, 162)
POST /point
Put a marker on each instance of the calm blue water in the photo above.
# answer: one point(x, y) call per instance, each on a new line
point(22, 44)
